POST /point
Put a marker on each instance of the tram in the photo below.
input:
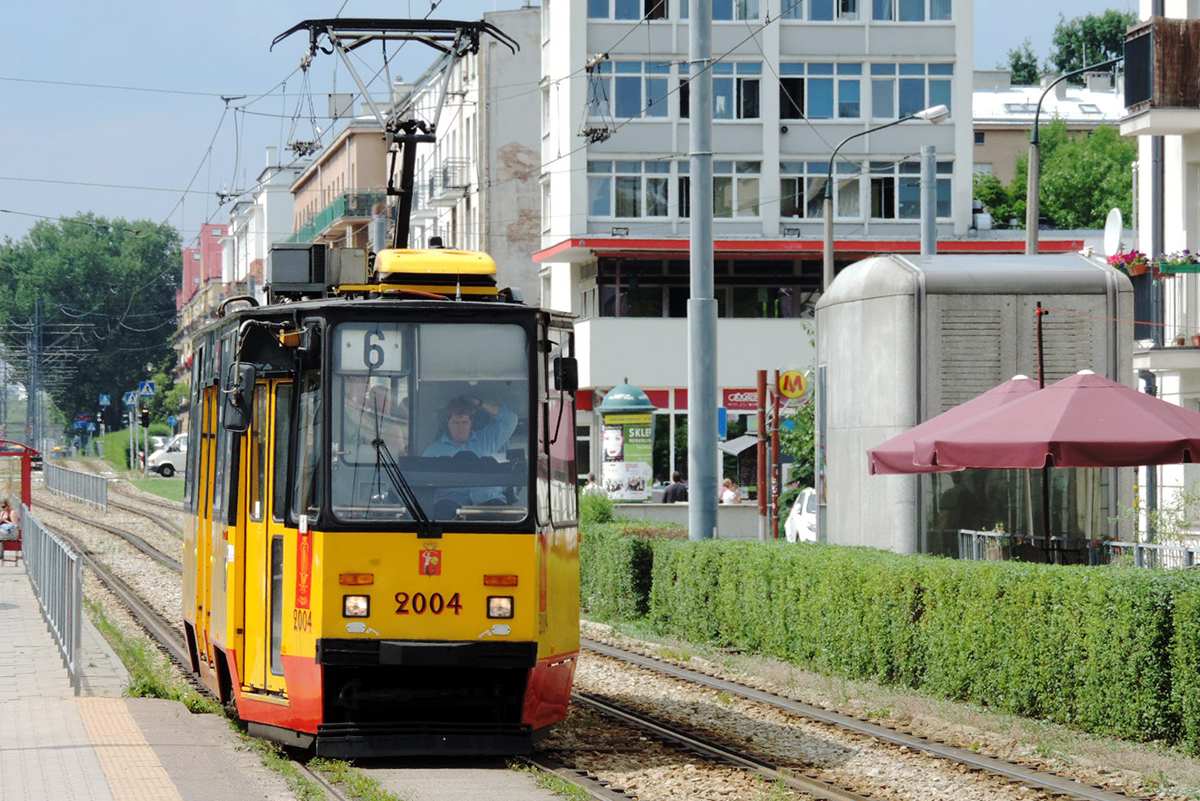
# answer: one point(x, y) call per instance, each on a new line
point(360, 578)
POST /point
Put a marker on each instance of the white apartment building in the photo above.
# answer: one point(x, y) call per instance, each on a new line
point(262, 218)
point(1159, 106)
point(477, 186)
point(791, 81)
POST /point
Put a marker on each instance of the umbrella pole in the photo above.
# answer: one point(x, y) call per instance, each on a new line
point(1045, 469)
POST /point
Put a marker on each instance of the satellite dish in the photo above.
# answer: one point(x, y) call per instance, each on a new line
point(1112, 233)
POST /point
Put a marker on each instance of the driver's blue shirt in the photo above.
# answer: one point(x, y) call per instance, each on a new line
point(487, 441)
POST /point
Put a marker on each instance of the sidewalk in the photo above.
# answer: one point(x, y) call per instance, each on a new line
point(100, 746)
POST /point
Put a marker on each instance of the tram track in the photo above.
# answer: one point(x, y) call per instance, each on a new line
point(133, 539)
point(1012, 772)
point(688, 740)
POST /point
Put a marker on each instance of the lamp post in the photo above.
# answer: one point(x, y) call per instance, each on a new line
point(932, 114)
point(1032, 200)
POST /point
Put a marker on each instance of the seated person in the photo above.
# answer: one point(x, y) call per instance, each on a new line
point(8, 521)
point(462, 436)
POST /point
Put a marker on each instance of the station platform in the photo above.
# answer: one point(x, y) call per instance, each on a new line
point(101, 746)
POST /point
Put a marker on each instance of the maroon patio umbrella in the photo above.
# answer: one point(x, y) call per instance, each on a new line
point(1085, 420)
point(896, 454)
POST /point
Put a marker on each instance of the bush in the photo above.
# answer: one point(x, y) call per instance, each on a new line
point(595, 507)
point(1105, 649)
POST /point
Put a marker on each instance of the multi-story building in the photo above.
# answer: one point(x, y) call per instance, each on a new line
point(1004, 114)
point(477, 186)
point(335, 196)
point(264, 217)
point(199, 294)
point(1164, 113)
point(791, 80)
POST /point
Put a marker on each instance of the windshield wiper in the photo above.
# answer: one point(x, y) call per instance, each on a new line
point(383, 458)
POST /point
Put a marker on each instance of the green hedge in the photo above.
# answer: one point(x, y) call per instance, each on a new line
point(1108, 650)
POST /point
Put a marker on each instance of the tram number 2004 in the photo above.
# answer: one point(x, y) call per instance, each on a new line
point(419, 603)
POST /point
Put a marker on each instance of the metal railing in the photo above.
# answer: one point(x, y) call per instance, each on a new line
point(56, 573)
point(351, 204)
point(86, 487)
point(992, 546)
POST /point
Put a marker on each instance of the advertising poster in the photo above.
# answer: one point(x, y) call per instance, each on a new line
point(628, 456)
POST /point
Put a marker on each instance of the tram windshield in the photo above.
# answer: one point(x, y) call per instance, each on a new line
point(430, 421)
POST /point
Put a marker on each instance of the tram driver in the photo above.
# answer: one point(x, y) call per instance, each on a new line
point(462, 435)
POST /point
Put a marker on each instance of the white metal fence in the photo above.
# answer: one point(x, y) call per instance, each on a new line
point(86, 487)
point(56, 574)
point(989, 545)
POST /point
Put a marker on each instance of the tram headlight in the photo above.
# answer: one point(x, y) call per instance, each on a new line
point(356, 606)
point(500, 607)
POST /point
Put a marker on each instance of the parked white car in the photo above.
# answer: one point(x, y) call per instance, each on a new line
point(171, 458)
point(801, 523)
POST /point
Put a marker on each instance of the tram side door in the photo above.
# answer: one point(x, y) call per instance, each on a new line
point(267, 441)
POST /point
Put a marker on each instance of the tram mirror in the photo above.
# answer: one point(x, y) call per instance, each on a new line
point(566, 374)
point(238, 396)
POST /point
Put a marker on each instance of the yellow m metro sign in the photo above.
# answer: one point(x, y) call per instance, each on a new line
point(793, 384)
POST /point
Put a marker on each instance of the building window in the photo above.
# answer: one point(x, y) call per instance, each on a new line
point(910, 10)
point(896, 190)
point(814, 92)
point(735, 188)
point(628, 189)
point(980, 137)
point(726, 10)
point(627, 9)
point(735, 91)
point(546, 206)
point(898, 90)
point(802, 189)
point(546, 110)
point(628, 89)
point(821, 10)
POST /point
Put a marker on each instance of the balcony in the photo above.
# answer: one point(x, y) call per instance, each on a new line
point(1162, 78)
point(335, 220)
point(449, 182)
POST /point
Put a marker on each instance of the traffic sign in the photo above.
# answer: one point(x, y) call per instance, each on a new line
point(91, 426)
point(106, 400)
point(130, 398)
point(146, 389)
point(172, 421)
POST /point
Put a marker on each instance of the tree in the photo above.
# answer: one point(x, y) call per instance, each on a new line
point(800, 442)
point(1023, 64)
point(107, 286)
point(1082, 177)
point(1085, 177)
point(1089, 39)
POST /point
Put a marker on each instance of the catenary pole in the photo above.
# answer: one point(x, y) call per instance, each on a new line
point(702, 306)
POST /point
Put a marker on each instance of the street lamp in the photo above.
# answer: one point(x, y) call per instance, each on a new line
point(1032, 200)
point(932, 114)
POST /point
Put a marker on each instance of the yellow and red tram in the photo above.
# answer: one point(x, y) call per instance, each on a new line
point(361, 579)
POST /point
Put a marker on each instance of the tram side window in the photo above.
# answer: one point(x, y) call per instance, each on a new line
point(561, 419)
point(258, 454)
point(193, 457)
point(280, 442)
point(306, 499)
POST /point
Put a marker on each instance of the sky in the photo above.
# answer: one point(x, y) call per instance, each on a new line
point(120, 109)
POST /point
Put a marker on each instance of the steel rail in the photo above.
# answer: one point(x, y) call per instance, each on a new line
point(160, 629)
point(589, 783)
point(1014, 772)
point(133, 539)
point(817, 788)
point(161, 522)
